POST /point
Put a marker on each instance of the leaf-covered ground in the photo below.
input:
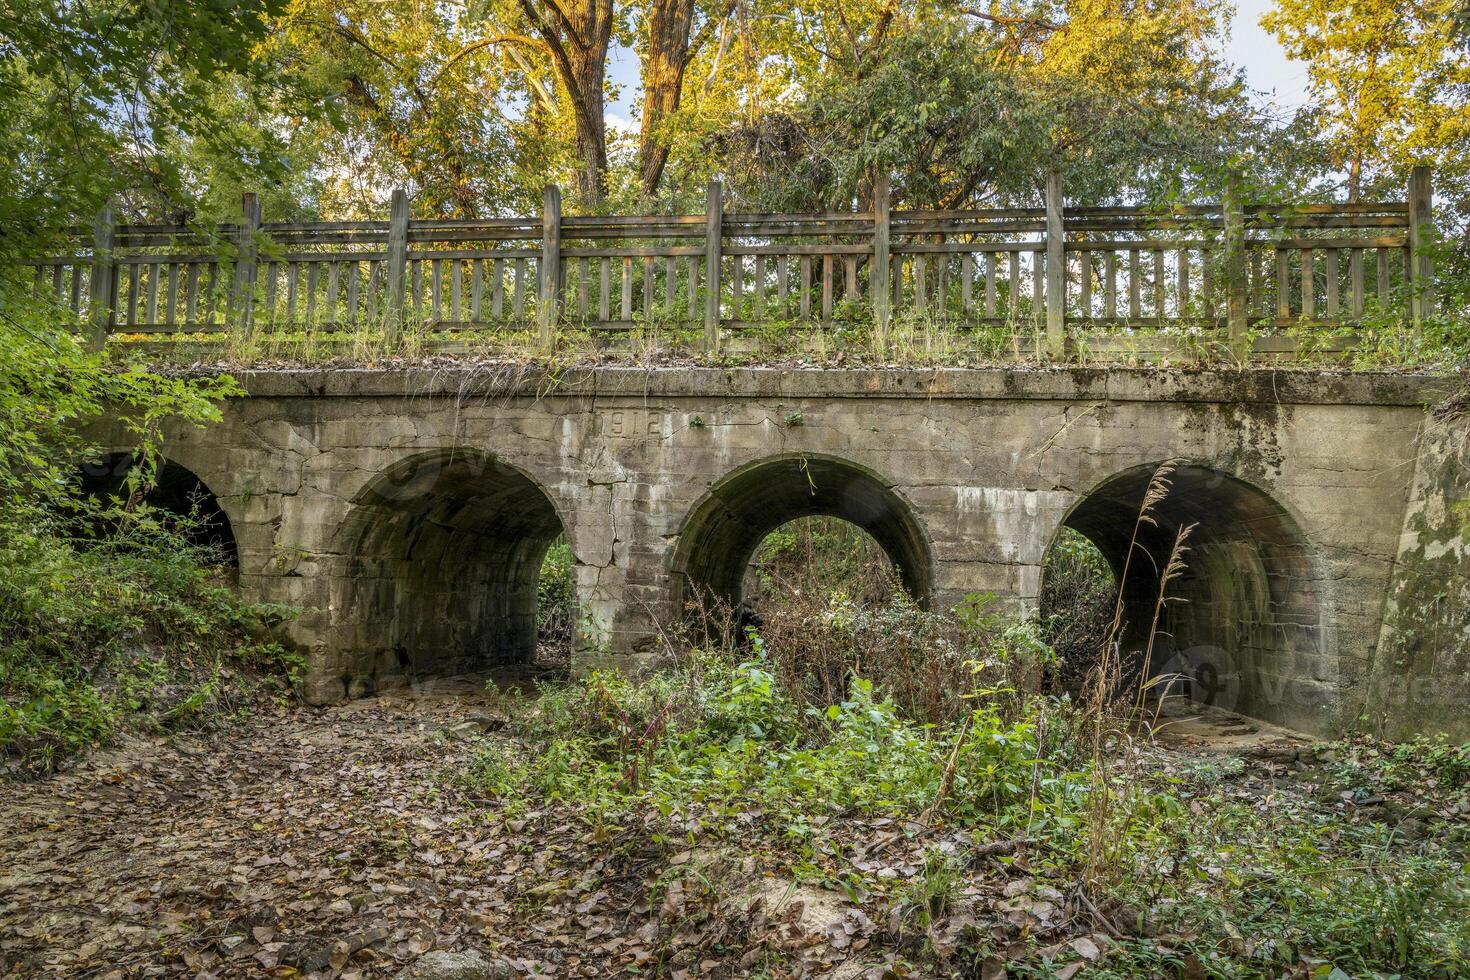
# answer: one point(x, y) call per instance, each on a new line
point(337, 843)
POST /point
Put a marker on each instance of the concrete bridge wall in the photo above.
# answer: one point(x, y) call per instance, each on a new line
point(407, 511)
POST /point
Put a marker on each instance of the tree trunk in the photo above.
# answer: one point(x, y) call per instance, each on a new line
point(664, 64)
point(577, 33)
point(670, 50)
point(591, 125)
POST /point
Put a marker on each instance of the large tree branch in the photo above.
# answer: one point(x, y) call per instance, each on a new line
point(483, 43)
point(559, 55)
point(707, 30)
point(1005, 20)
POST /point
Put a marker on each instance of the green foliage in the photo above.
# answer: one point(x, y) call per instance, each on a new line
point(126, 625)
point(722, 739)
point(556, 601)
point(140, 633)
point(1078, 596)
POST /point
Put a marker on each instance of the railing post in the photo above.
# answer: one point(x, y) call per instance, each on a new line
point(99, 307)
point(397, 270)
point(1421, 237)
point(244, 287)
point(714, 217)
point(1236, 285)
point(1056, 267)
point(878, 277)
point(550, 312)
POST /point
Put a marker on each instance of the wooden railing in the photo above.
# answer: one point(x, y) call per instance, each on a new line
point(1046, 272)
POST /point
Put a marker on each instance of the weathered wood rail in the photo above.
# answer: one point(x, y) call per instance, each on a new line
point(1223, 268)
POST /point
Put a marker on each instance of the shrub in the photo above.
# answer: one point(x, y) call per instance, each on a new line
point(1078, 593)
point(136, 630)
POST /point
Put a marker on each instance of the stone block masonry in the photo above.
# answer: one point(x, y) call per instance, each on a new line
point(406, 511)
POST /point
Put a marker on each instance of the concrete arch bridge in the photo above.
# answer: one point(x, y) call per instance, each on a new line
point(407, 512)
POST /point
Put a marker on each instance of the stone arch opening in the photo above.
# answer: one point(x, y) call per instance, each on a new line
point(175, 491)
point(724, 529)
point(1244, 629)
point(444, 553)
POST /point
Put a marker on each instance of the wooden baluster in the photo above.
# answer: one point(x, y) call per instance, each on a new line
point(671, 287)
point(1013, 297)
point(827, 288)
point(375, 278)
point(1110, 284)
point(354, 270)
point(436, 280)
point(76, 287)
point(895, 290)
point(56, 286)
point(990, 284)
point(1206, 286)
point(967, 277)
point(1135, 285)
point(209, 293)
point(921, 285)
point(1382, 291)
point(272, 273)
point(333, 274)
point(1084, 284)
point(1256, 283)
point(191, 294)
point(759, 288)
point(477, 290)
point(456, 291)
point(1283, 285)
point(648, 315)
point(1182, 288)
point(584, 275)
point(781, 263)
point(1355, 278)
point(313, 275)
point(691, 277)
point(851, 292)
point(153, 293)
point(806, 287)
point(171, 305)
point(135, 272)
point(519, 307)
point(497, 289)
point(1038, 285)
point(416, 292)
point(1159, 303)
point(627, 296)
point(1309, 285)
point(604, 290)
point(737, 287)
point(941, 284)
point(1333, 302)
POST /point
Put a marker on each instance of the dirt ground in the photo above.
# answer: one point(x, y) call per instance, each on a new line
point(335, 843)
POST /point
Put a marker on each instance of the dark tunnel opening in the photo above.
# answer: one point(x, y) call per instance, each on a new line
point(721, 535)
point(1242, 629)
point(446, 551)
point(187, 505)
